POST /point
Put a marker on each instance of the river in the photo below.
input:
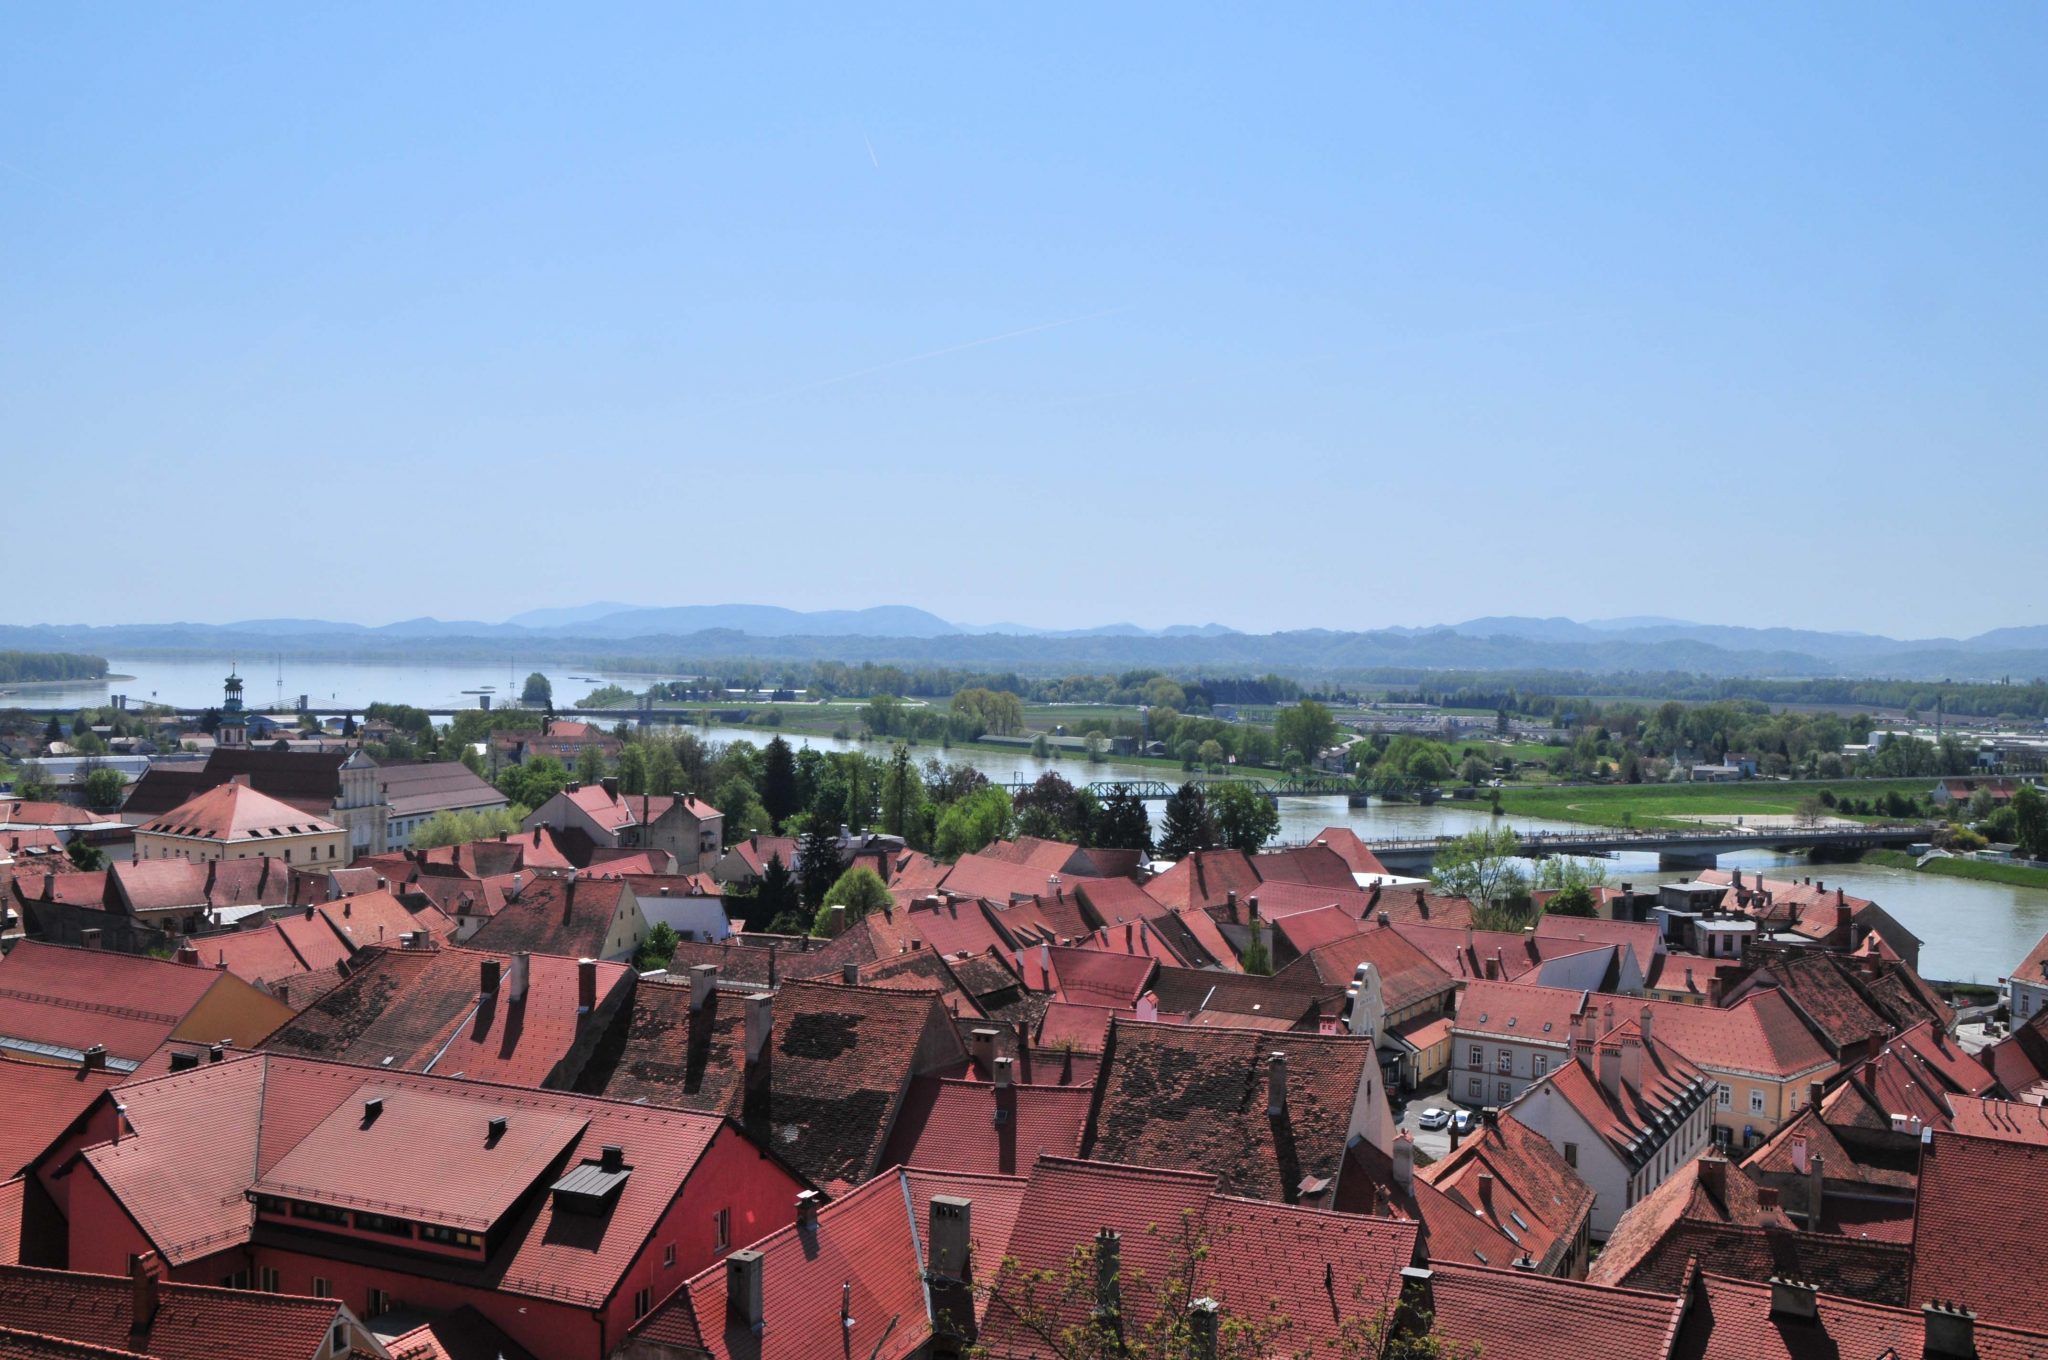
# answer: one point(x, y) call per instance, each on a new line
point(1973, 931)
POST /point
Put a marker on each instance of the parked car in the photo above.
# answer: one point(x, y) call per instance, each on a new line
point(1433, 1118)
point(1462, 1122)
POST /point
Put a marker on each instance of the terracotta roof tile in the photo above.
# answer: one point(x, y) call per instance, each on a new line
point(202, 1138)
point(235, 812)
point(71, 999)
point(1970, 1240)
point(42, 1101)
point(423, 1010)
point(1356, 854)
point(464, 1334)
point(1195, 1097)
point(568, 915)
point(1731, 1319)
point(840, 1060)
point(1535, 1198)
point(1704, 1190)
point(953, 1125)
point(192, 1322)
point(1516, 1315)
point(1205, 878)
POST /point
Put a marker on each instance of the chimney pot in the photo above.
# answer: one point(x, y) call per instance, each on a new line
point(807, 1209)
point(1951, 1331)
point(952, 1218)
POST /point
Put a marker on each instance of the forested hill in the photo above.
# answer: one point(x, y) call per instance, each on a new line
point(19, 667)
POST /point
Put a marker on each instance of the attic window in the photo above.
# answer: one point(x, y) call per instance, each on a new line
point(1482, 1017)
point(1546, 1027)
point(1520, 1222)
point(1511, 1022)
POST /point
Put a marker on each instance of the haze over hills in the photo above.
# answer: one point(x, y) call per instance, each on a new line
point(902, 633)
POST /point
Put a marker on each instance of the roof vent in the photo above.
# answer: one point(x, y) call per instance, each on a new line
point(495, 1130)
point(372, 1107)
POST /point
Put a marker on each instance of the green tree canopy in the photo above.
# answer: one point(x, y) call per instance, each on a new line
point(2030, 822)
point(1305, 730)
point(460, 828)
point(534, 782)
point(860, 890)
point(1186, 825)
point(973, 822)
point(537, 691)
point(103, 788)
point(1123, 823)
point(778, 782)
point(1480, 865)
point(1245, 818)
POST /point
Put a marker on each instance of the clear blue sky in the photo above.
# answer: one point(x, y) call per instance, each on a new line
point(1341, 317)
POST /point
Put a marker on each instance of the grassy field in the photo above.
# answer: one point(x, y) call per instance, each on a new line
point(2019, 875)
point(1665, 805)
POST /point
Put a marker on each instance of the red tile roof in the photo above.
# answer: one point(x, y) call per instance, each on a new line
point(1512, 1010)
point(235, 812)
point(1356, 854)
point(1112, 901)
point(1975, 1235)
point(192, 1322)
point(1173, 1095)
point(850, 1285)
point(953, 1125)
point(840, 1061)
point(1642, 938)
point(1517, 1315)
point(1705, 1190)
point(423, 1010)
point(1317, 865)
point(71, 999)
point(1255, 1257)
point(182, 885)
point(1094, 977)
point(19, 1345)
point(202, 1138)
point(464, 1334)
point(1761, 1035)
point(42, 1100)
point(1730, 1319)
point(1408, 976)
point(1535, 1199)
point(18, 812)
point(11, 1207)
point(1206, 878)
point(569, 915)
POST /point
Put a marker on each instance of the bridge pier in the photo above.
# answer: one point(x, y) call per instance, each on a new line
point(1686, 859)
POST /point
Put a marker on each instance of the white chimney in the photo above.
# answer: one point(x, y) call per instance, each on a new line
point(515, 984)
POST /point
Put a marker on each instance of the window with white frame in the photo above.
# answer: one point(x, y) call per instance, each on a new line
point(1756, 1102)
point(1724, 1095)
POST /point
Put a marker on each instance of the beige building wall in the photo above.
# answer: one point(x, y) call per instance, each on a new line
point(313, 848)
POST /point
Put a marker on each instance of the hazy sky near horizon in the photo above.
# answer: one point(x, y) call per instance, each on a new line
point(1342, 316)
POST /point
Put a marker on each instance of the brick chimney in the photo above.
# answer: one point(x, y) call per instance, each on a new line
point(1713, 1174)
point(145, 1273)
point(1951, 1331)
point(188, 954)
point(586, 986)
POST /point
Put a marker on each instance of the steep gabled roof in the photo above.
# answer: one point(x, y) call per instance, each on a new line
point(1356, 854)
point(1534, 1197)
point(1205, 878)
point(949, 1124)
point(555, 914)
point(1317, 865)
point(1173, 1095)
point(1705, 1190)
point(42, 1100)
point(840, 1060)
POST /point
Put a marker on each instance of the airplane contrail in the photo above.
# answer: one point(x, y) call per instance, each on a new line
point(932, 354)
point(871, 148)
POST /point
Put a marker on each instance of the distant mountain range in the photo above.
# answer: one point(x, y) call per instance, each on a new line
point(900, 633)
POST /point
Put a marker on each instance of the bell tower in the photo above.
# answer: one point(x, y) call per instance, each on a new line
point(233, 732)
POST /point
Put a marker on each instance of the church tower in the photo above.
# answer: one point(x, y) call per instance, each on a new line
point(233, 732)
